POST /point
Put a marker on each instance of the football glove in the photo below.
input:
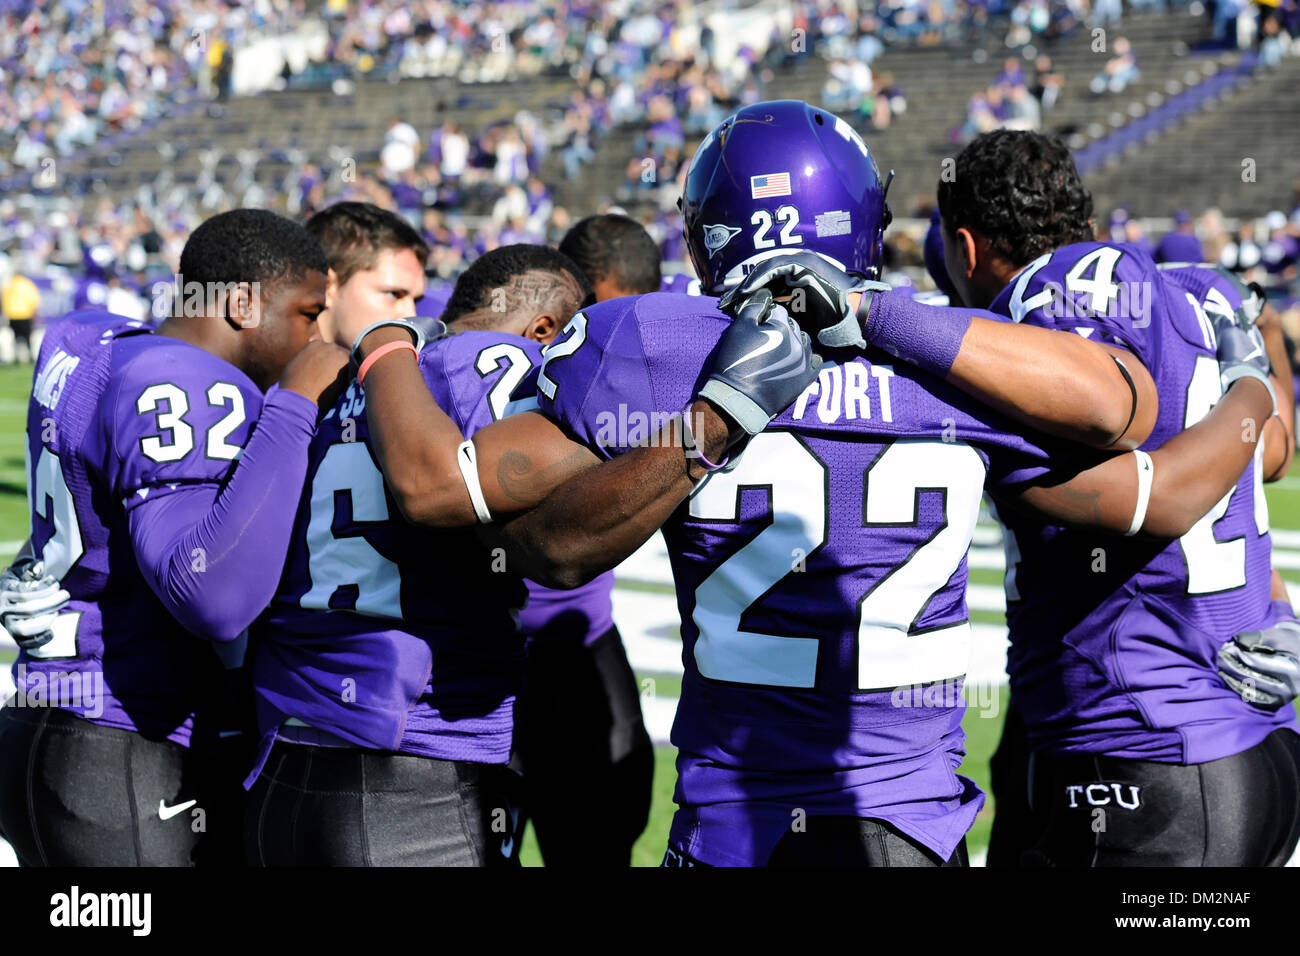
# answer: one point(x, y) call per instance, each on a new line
point(1241, 354)
point(30, 600)
point(819, 293)
point(1253, 298)
point(1264, 666)
point(415, 327)
point(760, 365)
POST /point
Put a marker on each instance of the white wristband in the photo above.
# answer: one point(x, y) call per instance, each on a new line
point(468, 463)
point(1146, 474)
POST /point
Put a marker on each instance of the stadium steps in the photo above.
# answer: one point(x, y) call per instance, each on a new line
point(325, 127)
point(938, 83)
point(1199, 163)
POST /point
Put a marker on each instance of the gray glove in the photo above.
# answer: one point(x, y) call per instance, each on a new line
point(414, 326)
point(30, 600)
point(1241, 354)
point(820, 291)
point(1253, 298)
point(760, 365)
point(1264, 666)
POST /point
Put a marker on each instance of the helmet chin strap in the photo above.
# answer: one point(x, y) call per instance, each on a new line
point(888, 216)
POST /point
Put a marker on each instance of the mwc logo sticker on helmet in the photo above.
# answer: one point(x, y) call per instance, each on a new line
point(715, 237)
point(835, 223)
point(772, 184)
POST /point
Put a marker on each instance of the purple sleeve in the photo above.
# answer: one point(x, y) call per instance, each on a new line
point(214, 559)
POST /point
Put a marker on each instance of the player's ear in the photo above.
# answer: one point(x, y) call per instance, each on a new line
point(542, 328)
point(244, 305)
point(966, 251)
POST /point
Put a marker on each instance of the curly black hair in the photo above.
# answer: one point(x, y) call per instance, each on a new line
point(616, 247)
point(503, 268)
point(250, 245)
point(1019, 190)
point(354, 233)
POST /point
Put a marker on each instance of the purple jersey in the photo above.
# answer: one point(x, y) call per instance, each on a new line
point(120, 418)
point(819, 580)
point(582, 614)
point(384, 634)
point(1114, 640)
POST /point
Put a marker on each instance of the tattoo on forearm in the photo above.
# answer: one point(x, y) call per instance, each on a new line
point(522, 481)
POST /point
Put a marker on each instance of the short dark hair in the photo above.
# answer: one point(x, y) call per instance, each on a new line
point(500, 268)
point(354, 233)
point(250, 245)
point(617, 248)
point(1020, 190)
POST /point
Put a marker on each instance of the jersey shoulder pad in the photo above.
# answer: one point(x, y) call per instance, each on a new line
point(1106, 292)
point(473, 375)
point(621, 366)
point(1197, 296)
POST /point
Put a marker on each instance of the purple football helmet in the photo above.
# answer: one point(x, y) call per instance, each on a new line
point(778, 177)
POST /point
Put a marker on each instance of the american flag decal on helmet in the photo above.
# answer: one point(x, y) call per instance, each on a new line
point(773, 184)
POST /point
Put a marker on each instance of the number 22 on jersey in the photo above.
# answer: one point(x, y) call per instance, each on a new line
point(889, 653)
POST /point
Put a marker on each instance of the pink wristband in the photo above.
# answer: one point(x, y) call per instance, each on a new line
point(379, 353)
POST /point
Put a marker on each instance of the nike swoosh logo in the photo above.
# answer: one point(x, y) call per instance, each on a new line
point(1253, 352)
point(773, 340)
point(166, 813)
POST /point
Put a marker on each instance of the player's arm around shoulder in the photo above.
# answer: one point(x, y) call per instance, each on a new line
point(1164, 493)
point(1050, 379)
point(437, 478)
point(756, 369)
point(1061, 383)
point(414, 441)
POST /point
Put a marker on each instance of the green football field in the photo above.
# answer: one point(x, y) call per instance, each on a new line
point(982, 725)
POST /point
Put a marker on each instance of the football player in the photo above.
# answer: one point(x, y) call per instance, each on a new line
point(616, 254)
point(376, 267)
point(162, 543)
point(817, 578)
point(1123, 661)
point(578, 723)
point(387, 668)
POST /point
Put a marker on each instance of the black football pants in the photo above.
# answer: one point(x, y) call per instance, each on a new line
point(1242, 810)
point(342, 806)
point(844, 843)
point(74, 793)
